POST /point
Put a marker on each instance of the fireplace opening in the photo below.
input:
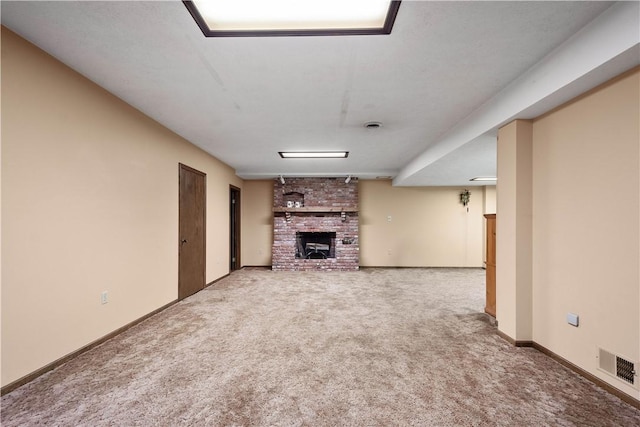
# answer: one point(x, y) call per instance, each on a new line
point(315, 245)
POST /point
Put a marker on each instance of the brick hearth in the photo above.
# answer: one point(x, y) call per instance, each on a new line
point(315, 205)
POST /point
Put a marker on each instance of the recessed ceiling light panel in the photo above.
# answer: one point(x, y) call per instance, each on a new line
point(484, 178)
point(251, 18)
point(313, 154)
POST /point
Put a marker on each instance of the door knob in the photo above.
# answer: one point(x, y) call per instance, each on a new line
point(183, 241)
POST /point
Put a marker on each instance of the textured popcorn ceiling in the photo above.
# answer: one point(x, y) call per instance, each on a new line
point(444, 80)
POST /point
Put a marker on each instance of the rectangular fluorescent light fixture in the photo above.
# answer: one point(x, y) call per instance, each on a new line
point(484, 178)
point(314, 154)
point(255, 18)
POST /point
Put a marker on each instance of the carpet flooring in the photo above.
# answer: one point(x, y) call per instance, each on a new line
point(377, 347)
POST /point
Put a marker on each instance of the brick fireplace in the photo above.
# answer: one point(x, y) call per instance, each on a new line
point(315, 224)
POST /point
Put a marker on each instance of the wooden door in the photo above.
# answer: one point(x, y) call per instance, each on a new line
point(234, 228)
point(490, 307)
point(192, 231)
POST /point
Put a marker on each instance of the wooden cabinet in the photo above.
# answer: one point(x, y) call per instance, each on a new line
point(490, 306)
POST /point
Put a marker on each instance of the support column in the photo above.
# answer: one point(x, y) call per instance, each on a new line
point(514, 231)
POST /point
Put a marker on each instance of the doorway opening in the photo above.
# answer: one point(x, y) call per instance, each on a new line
point(234, 228)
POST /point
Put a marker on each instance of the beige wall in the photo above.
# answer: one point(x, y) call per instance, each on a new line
point(490, 199)
point(429, 227)
point(89, 204)
point(585, 230)
point(257, 223)
point(513, 230)
point(586, 238)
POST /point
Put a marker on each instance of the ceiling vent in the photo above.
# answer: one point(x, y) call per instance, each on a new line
point(372, 125)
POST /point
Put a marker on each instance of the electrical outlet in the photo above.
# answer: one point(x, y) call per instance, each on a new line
point(388, 218)
point(104, 297)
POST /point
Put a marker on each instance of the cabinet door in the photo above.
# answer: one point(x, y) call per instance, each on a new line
point(490, 306)
point(491, 241)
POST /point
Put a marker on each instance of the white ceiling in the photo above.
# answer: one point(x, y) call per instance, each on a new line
point(442, 82)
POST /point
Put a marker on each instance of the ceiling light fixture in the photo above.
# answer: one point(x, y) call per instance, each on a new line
point(313, 154)
point(254, 18)
point(484, 178)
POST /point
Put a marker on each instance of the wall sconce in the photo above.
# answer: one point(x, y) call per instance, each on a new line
point(464, 198)
point(348, 180)
point(281, 180)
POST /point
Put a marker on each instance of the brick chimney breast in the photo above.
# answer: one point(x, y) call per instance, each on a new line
point(324, 206)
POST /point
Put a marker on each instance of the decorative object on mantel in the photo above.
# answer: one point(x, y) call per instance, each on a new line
point(464, 198)
point(294, 199)
point(343, 214)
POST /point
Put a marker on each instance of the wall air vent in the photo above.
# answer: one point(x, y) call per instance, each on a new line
point(618, 366)
point(625, 370)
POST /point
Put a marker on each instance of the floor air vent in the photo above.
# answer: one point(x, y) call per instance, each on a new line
point(617, 366)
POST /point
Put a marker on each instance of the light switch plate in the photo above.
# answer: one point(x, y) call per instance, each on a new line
point(573, 319)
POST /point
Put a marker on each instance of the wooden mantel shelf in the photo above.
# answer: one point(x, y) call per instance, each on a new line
point(316, 209)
